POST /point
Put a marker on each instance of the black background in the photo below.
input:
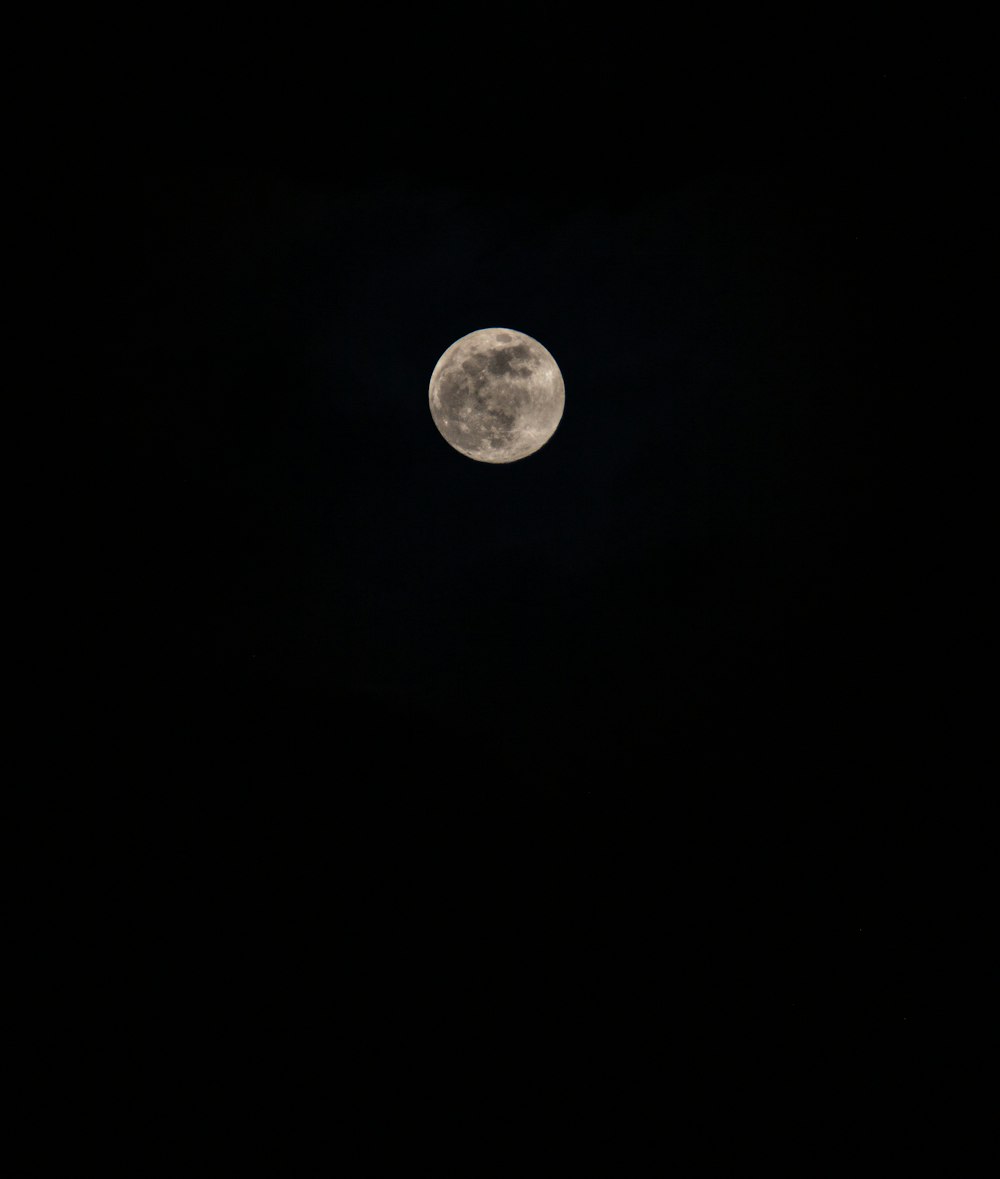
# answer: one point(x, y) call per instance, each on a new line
point(640, 741)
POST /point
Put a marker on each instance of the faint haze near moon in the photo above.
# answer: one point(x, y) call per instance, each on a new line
point(497, 395)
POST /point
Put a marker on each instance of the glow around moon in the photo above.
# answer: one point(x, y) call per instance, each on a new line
point(497, 395)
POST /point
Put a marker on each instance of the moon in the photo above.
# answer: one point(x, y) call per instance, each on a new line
point(497, 395)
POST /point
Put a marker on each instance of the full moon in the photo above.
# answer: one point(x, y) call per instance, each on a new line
point(497, 395)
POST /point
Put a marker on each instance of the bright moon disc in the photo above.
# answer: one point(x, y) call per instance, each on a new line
point(497, 395)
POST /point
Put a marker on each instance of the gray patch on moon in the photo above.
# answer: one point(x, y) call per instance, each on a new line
point(496, 395)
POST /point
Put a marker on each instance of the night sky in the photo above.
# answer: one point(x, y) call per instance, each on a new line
point(618, 741)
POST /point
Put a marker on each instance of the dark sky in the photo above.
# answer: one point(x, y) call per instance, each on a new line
point(649, 696)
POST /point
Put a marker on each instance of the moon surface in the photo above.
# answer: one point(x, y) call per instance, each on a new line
point(497, 395)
